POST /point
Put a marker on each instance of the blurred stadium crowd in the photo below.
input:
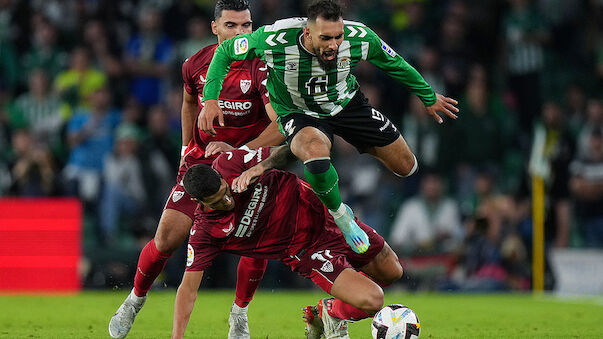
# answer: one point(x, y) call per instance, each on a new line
point(90, 97)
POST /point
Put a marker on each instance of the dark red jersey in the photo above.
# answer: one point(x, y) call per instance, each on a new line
point(243, 99)
point(277, 217)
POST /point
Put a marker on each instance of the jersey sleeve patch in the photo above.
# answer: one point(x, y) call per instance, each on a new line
point(387, 50)
point(241, 46)
point(190, 255)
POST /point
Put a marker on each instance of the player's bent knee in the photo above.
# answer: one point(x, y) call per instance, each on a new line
point(310, 143)
point(394, 274)
point(172, 231)
point(162, 243)
point(374, 300)
point(391, 276)
point(409, 168)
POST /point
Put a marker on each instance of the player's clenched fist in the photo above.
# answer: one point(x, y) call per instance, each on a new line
point(208, 114)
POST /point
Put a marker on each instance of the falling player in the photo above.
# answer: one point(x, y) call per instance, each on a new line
point(279, 217)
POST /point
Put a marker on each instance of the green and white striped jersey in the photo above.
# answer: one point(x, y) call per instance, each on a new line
point(296, 82)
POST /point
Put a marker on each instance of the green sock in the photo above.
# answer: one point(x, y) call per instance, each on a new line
point(326, 186)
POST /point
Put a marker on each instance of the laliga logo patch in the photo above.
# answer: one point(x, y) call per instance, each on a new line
point(343, 63)
point(245, 85)
point(177, 195)
point(201, 78)
point(190, 255)
point(388, 50)
point(241, 46)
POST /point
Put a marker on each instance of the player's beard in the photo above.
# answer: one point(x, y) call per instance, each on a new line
point(325, 64)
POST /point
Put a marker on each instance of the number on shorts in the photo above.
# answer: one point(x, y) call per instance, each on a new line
point(377, 115)
point(320, 255)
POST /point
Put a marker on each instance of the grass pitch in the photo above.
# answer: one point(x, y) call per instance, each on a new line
point(278, 315)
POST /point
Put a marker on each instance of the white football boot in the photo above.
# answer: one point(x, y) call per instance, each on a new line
point(334, 328)
point(122, 321)
point(238, 325)
point(314, 327)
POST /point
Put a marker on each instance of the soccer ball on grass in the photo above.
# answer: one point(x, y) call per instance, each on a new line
point(395, 321)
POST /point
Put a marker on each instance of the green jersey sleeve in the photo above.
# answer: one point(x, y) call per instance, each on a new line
point(241, 47)
point(384, 57)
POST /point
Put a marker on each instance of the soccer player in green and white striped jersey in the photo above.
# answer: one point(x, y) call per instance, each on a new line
point(316, 96)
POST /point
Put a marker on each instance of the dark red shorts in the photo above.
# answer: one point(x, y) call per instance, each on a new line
point(324, 261)
point(179, 200)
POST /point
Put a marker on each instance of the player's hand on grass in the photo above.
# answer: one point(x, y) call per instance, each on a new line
point(444, 105)
point(240, 183)
point(216, 147)
point(211, 110)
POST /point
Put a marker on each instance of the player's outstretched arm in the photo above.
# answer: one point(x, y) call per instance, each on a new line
point(444, 105)
point(279, 157)
point(185, 301)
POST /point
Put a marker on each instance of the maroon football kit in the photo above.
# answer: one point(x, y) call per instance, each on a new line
point(243, 99)
point(277, 217)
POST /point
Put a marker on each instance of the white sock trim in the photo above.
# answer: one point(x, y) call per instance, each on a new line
point(314, 159)
point(341, 210)
point(136, 298)
point(237, 309)
point(413, 170)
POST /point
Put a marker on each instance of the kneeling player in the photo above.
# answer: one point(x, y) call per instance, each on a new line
point(279, 217)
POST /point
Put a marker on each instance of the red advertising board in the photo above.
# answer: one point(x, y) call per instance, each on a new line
point(40, 245)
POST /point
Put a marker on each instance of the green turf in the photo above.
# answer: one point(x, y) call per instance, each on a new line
point(278, 315)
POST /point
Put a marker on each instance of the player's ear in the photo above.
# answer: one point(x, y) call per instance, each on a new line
point(214, 27)
point(307, 34)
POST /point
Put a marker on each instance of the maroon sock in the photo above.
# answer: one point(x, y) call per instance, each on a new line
point(342, 310)
point(249, 275)
point(150, 264)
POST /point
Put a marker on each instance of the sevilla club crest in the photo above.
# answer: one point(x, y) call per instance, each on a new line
point(177, 195)
point(245, 85)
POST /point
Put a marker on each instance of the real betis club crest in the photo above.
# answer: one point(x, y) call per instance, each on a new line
point(245, 85)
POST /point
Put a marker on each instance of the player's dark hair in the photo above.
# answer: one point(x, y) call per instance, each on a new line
point(327, 9)
point(229, 5)
point(201, 181)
